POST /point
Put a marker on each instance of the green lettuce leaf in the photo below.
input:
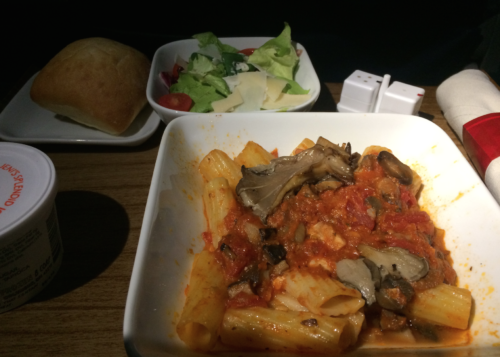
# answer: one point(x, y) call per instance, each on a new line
point(206, 39)
point(202, 95)
point(231, 62)
point(293, 87)
point(199, 65)
point(277, 56)
point(204, 70)
point(218, 83)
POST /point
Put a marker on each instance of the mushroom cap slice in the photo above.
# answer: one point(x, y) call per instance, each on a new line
point(263, 187)
point(394, 293)
point(397, 261)
point(357, 274)
point(395, 168)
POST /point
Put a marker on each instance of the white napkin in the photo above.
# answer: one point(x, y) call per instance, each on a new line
point(492, 178)
point(465, 96)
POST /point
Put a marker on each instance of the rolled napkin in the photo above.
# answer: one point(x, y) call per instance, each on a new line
point(471, 104)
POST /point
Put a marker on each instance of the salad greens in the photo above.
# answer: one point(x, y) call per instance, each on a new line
point(236, 62)
point(203, 79)
point(277, 56)
point(202, 95)
point(208, 39)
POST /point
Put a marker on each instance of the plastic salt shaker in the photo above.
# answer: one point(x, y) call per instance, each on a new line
point(30, 242)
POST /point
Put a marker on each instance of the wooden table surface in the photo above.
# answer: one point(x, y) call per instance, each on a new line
point(101, 201)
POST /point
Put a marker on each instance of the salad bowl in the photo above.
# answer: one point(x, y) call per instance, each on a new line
point(167, 55)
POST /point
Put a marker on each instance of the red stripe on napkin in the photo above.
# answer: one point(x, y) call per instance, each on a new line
point(481, 139)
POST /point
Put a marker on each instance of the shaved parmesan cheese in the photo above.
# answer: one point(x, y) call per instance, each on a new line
point(252, 88)
point(257, 91)
point(232, 82)
point(229, 103)
point(274, 88)
point(286, 101)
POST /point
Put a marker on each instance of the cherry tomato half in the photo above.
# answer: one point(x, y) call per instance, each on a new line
point(247, 51)
point(175, 72)
point(176, 101)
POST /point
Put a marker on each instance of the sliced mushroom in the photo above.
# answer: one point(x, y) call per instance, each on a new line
point(346, 153)
point(395, 168)
point(348, 148)
point(238, 287)
point(336, 166)
point(310, 322)
point(367, 162)
point(375, 272)
point(274, 253)
point(251, 274)
point(389, 191)
point(308, 192)
point(227, 251)
point(357, 274)
point(328, 183)
point(395, 293)
point(267, 233)
point(397, 261)
point(375, 203)
point(263, 187)
point(354, 160)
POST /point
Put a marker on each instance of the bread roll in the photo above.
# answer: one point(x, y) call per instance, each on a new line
point(95, 81)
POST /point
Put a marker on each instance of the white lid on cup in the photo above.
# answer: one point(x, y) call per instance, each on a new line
point(27, 185)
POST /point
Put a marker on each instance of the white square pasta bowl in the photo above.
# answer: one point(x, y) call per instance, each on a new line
point(165, 58)
point(453, 194)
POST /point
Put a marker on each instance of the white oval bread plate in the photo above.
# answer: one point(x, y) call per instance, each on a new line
point(24, 121)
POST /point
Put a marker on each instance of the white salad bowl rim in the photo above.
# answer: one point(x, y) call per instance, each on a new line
point(165, 57)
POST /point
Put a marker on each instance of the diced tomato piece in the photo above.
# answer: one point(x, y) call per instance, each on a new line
point(176, 101)
point(356, 208)
point(247, 51)
point(358, 214)
point(407, 197)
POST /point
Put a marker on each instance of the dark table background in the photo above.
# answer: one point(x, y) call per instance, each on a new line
point(418, 42)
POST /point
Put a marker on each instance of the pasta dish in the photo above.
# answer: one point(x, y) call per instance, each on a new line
point(320, 251)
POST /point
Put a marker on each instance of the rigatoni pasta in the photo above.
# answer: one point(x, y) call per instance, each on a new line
point(445, 305)
point(219, 200)
point(293, 331)
point(252, 155)
point(316, 252)
point(321, 294)
point(218, 164)
point(203, 311)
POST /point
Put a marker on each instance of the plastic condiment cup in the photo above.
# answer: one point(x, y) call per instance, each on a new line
point(30, 241)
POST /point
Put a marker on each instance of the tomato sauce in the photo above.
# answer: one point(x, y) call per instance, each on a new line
point(377, 211)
